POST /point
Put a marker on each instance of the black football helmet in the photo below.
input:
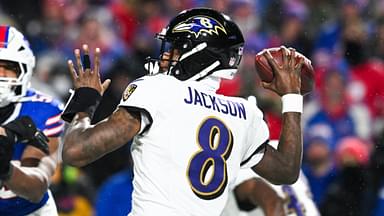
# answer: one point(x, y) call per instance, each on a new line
point(208, 42)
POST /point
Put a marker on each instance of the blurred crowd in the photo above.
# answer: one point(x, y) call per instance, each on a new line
point(343, 118)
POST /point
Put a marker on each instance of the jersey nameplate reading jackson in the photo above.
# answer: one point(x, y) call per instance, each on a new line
point(208, 101)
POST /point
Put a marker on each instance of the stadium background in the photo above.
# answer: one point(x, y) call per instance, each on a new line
point(343, 119)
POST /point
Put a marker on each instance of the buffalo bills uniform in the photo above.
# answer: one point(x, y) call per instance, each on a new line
point(45, 113)
point(183, 162)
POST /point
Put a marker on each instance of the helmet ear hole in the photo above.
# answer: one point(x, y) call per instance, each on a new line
point(24, 67)
point(183, 45)
point(18, 90)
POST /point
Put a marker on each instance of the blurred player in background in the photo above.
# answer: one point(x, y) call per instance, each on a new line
point(27, 156)
point(189, 142)
point(254, 196)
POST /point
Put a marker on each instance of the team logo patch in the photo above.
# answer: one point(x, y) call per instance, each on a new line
point(128, 91)
point(199, 25)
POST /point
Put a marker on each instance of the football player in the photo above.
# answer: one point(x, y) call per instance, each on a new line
point(189, 142)
point(27, 119)
point(254, 196)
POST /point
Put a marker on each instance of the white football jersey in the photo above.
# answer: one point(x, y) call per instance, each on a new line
point(191, 145)
point(297, 197)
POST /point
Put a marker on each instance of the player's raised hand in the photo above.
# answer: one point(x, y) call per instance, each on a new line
point(286, 75)
point(83, 75)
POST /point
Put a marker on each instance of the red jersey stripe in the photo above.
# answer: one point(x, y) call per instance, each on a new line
point(4, 36)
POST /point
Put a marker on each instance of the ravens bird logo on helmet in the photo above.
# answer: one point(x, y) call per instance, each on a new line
point(200, 24)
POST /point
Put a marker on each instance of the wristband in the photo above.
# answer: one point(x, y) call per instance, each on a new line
point(84, 99)
point(292, 103)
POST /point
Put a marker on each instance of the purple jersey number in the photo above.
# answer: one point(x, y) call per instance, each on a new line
point(215, 145)
point(293, 203)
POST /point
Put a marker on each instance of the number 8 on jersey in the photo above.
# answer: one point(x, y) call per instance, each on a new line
point(215, 142)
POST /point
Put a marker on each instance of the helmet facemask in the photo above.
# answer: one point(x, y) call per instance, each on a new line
point(169, 56)
point(11, 88)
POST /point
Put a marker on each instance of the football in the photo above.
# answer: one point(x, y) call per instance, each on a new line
point(266, 74)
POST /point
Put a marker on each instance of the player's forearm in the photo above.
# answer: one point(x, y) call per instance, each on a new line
point(267, 198)
point(258, 193)
point(29, 187)
point(84, 143)
point(31, 182)
point(290, 146)
point(76, 150)
point(282, 166)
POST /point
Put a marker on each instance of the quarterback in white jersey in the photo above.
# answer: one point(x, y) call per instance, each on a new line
point(189, 142)
point(190, 171)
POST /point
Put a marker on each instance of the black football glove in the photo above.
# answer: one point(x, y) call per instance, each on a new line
point(24, 130)
point(6, 152)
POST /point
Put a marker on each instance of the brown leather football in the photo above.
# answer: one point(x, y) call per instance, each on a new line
point(266, 73)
